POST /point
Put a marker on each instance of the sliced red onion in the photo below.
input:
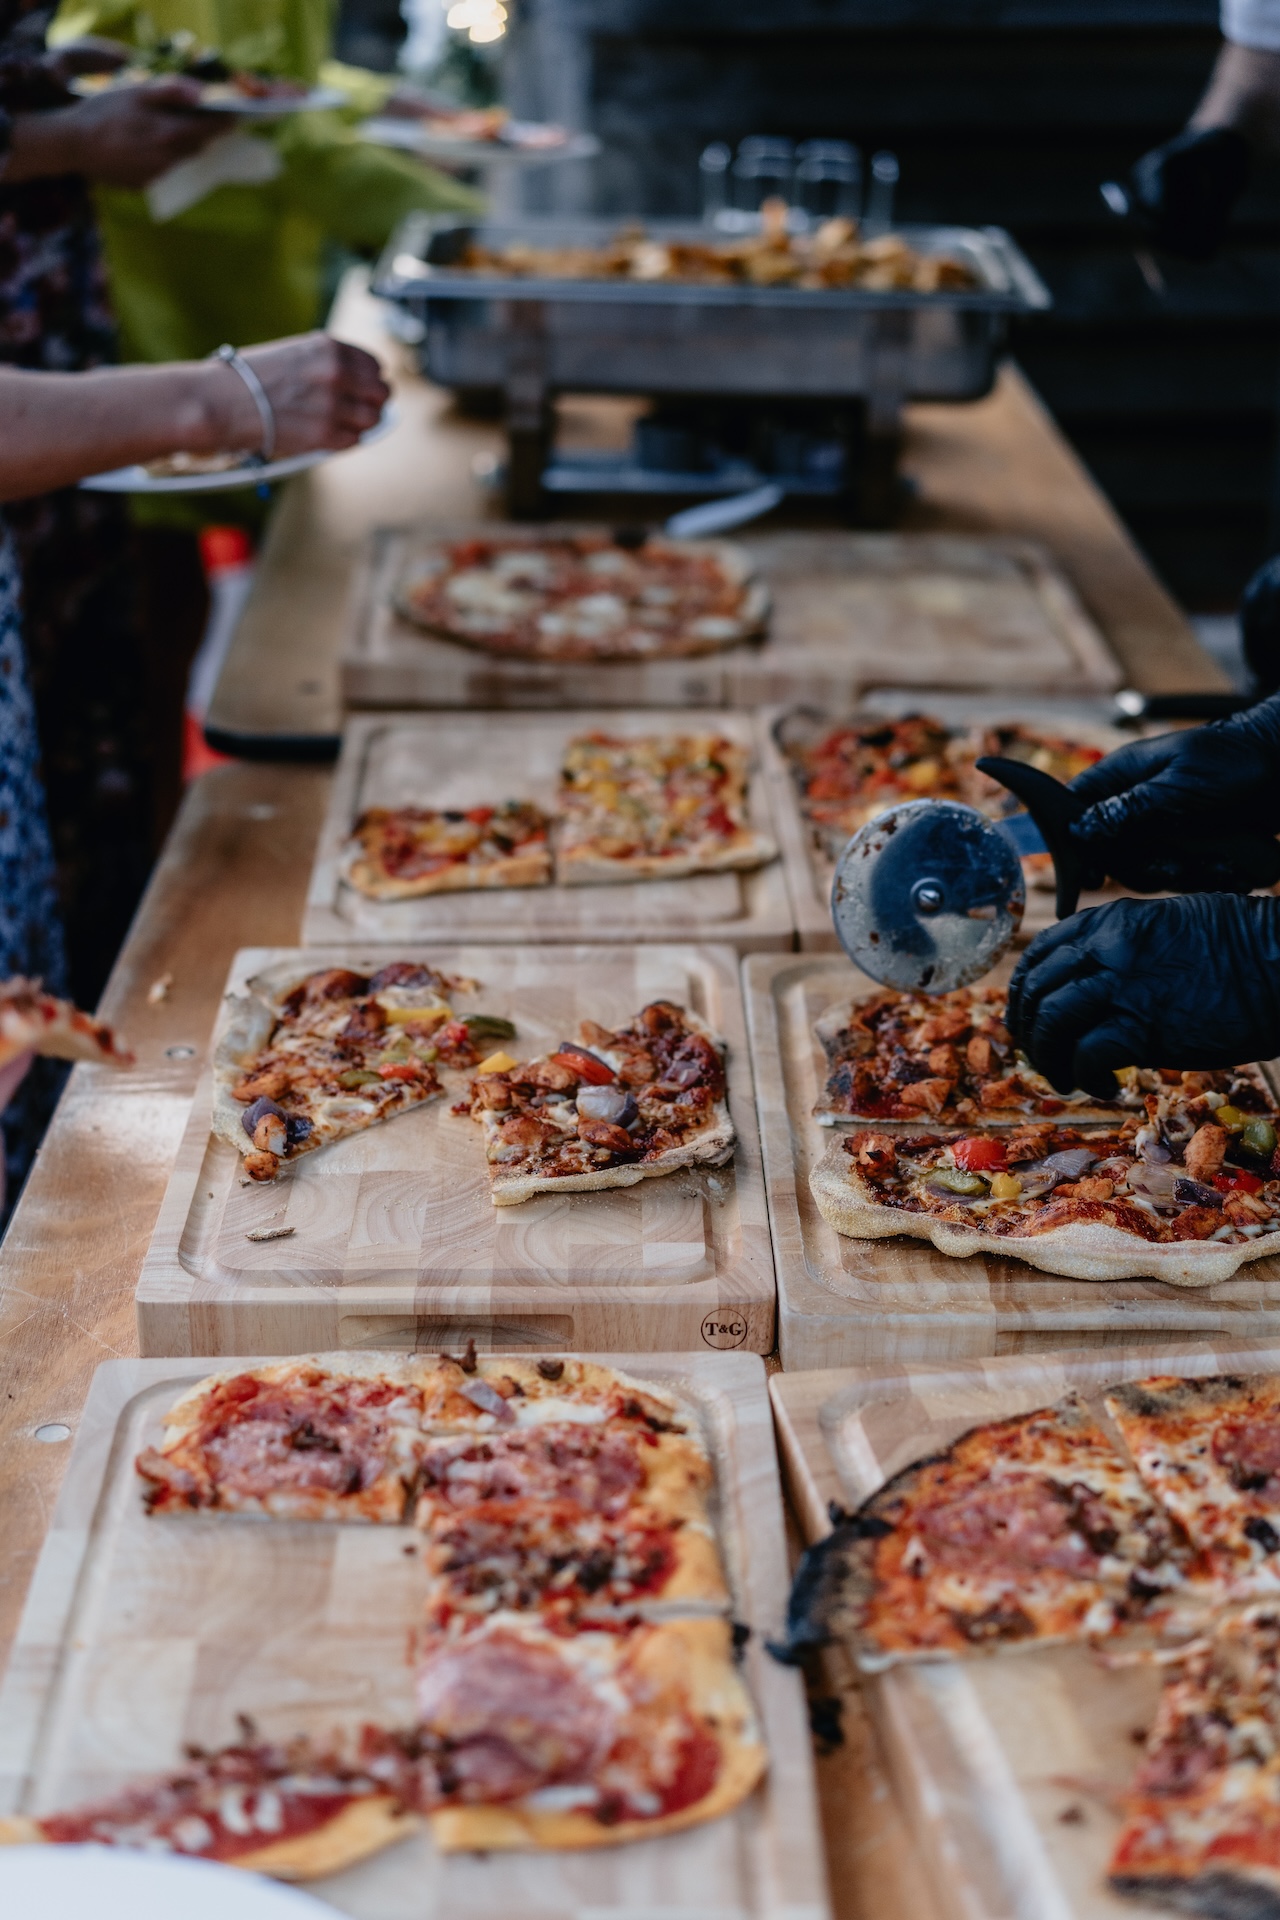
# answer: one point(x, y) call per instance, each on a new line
point(614, 1104)
point(1042, 1175)
point(254, 1111)
point(488, 1399)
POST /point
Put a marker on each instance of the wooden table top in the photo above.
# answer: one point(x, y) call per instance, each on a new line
point(234, 873)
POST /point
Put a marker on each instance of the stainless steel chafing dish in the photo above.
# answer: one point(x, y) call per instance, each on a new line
point(534, 337)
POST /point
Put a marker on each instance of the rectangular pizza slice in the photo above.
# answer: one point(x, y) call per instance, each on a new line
point(1181, 1198)
point(1202, 1819)
point(403, 853)
point(307, 1058)
point(1209, 1449)
point(654, 807)
point(607, 1111)
point(1021, 1533)
point(297, 1440)
point(948, 1060)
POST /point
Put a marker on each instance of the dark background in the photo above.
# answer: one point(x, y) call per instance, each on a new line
point(1005, 111)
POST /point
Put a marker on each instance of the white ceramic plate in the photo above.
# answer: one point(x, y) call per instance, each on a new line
point(414, 136)
point(138, 480)
point(213, 98)
point(109, 1883)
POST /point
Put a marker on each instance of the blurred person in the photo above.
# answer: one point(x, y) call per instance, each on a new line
point(54, 429)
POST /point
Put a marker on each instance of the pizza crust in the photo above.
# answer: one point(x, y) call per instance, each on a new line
point(518, 870)
point(364, 1827)
point(712, 1147)
point(692, 1657)
point(1082, 1250)
point(581, 867)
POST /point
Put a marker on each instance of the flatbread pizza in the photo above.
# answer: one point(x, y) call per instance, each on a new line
point(407, 853)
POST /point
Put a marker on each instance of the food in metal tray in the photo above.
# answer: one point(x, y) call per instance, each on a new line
point(585, 596)
point(575, 1679)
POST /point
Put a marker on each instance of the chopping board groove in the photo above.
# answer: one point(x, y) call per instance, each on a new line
point(142, 1634)
point(850, 611)
point(395, 1241)
point(843, 1301)
point(472, 759)
point(988, 1755)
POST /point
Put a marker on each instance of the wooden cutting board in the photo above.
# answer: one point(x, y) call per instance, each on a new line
point(142, 1634)
point(852, 1302)
point(983, 1753)
point(808, 870)
point(395, 1242)
point(850, 611)
point(472, 759)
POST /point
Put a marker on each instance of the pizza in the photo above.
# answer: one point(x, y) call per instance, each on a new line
point(32, 1021)
point(847, 773)
point(401, 853)
point(1024, 1532)
point(304, 1060)
point(948, 1060)
point(585, 596)
point(1210, 1452)
point(1202, 1817)
point(575, 1678)
point(607, 1110)
point(654, 807)
point(1183, 1203)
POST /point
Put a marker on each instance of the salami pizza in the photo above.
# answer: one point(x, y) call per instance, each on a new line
point(304, 1059)
point(585, 596)
point(1021, 1533)
point(575, 1679)
point(948, 1060)
point(654, 807)
point(402, 853)
point(1183, 1203)
point(32, 1021)
point(607, 1110)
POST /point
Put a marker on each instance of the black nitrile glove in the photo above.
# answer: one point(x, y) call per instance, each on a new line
point(1182, 983)
point(1191, 811)
point(1185, 190)
point(1260, 627)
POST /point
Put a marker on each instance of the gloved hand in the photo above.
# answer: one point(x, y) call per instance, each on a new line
point(1182, 983)
point(1185, 190)
point(1260, 627)
point(1196, 810)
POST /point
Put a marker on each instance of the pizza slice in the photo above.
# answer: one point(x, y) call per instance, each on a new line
point(586, 1740)
point(948, 1060)
point(306, 1058)
point(292, 1809)
point(1209, 1450)
point(606, 1470)
point(32, 1021)
point(608, 1111)
point(1202, 1819)
point(1180, 1201)
point(472, 1392)
point(402, 853)
point(565, 1564)
point(298, 1440)
point(1021, 1533)
point(654, 807)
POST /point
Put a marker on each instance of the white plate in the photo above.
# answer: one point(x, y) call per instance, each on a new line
point(413, 136)
point(138, 480)
point(90, 86)
point(108, 1883)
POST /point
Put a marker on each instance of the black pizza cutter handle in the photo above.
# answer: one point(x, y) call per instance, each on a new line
point(1055, 809)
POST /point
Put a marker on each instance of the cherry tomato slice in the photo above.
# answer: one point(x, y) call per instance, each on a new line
point(980, 1154)
point(408, 1071)
point(1237, 1181)
point(587, 1066)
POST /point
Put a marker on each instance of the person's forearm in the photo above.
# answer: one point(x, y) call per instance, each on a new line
point(1244, 93)
point(41, 145)
point(55, 428)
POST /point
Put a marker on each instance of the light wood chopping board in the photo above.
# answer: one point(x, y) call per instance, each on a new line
point(809, 872)
point(1001, 1764)
point(141, 1634)
point(850, 611)
point(471, 759)
point(851, 1302)
point(393, 1240)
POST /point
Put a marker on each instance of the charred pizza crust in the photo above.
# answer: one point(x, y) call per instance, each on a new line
point(1105, 1238)
point(1024, 1532)
point(584, 597)
point(663, 1080)
point(683, 1667)
point(406, 853)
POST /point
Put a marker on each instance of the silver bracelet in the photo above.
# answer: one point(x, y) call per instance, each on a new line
point(258, 393)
